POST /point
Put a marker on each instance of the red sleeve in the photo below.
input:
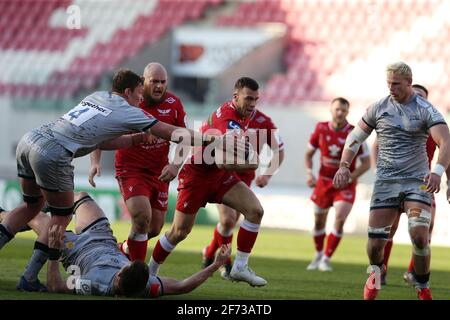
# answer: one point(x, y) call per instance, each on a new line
point(180, 121)
point(314, 139)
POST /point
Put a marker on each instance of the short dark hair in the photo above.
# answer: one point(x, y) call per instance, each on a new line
point(246, 82)
point(133, 279)
point(125, 78)
point(420, 87)
point(341, 101)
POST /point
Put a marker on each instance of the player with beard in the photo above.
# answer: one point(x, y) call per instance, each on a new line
point(143, 171)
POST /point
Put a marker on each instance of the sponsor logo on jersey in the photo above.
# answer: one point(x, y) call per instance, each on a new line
point(233, 125)
point(103, 110)
point(164, 111)
point(170, 100)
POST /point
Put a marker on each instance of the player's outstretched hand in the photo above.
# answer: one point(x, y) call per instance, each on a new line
point(56, 237)
point(168, 173)
point(223, 255)
point(94, 171)
point(433, 182)
point(341, 178)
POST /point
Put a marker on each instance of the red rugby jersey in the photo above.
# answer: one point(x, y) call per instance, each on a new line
point(331, 143)
point(226, 118)
point(152, 157)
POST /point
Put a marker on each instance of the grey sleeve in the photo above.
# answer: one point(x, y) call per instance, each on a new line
point(139, 120)
point(369, 117)
point(432, 116)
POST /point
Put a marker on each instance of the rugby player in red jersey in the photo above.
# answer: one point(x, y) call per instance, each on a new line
point(143, 171)
point(329, 137)
point(265, 132)
point(209, 179)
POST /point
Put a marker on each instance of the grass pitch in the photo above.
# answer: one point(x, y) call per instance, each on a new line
point(280, 256)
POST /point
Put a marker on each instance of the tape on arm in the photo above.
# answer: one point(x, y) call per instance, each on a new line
point(355, 139)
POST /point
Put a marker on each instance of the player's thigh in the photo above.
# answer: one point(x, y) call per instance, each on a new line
point(382, 217)
point(29, 187)
point(86, 214)
point(241, 198)
point(139, 206)
point(57, 199)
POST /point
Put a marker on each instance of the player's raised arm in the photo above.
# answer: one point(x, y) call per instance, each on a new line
point(352, 144)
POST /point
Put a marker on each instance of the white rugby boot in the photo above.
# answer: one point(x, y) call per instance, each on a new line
point(247, 275)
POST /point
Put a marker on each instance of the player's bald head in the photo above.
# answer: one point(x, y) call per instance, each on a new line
point(153, 69)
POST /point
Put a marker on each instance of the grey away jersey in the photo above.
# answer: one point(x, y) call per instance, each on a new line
point(98, 268)
point(94, 259)
point(99, 117)
point(402, 132)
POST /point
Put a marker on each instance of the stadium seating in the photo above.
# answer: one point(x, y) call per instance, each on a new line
point(331, 46)
point(41, 57)
point(328, 41)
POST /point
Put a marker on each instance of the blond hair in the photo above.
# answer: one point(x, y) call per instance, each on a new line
point(400, 68)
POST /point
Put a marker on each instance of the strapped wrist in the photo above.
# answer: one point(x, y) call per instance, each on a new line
point(54, 254)
point(438, 169)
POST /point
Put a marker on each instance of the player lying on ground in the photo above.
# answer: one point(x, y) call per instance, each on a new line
point(98, 266)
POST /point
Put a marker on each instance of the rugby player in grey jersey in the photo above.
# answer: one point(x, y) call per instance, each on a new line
point(44, 156)
point(403, 120)
point(95, 264)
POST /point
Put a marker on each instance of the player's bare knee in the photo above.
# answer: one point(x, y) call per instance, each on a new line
point(339, 224)
point(258, 212)
point(228, 223)
point(179, 234)
point(141, 223)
